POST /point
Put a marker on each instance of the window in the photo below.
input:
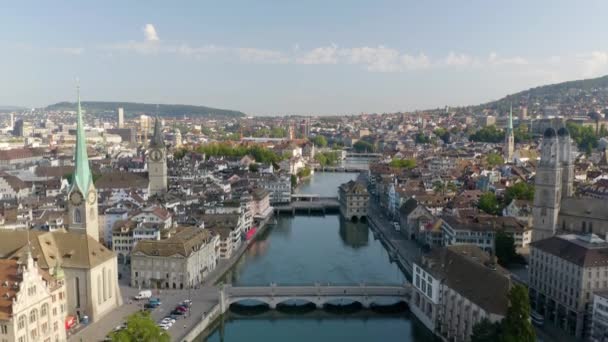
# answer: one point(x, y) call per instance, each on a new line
point(44, 310)
point(77, 216)
point(33, 315)
point(4, 329)
point(55, 326)
point(21, 322)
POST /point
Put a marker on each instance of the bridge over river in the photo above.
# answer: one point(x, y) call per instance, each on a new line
point(309, 203)
point(317, 294)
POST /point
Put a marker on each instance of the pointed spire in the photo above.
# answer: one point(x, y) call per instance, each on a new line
point(82, 172)
point(157, 139)
point(510, 127)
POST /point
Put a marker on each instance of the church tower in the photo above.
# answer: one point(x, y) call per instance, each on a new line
point(82, 197)
point(157, 162)
point(567, 162)
point(509, 147)
point(547, 195)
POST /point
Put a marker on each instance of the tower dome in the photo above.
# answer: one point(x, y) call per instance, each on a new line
point(563, 132)
point(550, 132)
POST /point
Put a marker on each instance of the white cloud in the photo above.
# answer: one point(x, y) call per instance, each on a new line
point(253, 55)
point(150, 34)
point(494, 59)
point(320, 55)
point(457, 59)
point(595, 63)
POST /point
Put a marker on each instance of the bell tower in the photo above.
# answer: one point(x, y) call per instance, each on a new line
point(157, 162)
point(82, 197)
point(548, 183)
point(509, 147)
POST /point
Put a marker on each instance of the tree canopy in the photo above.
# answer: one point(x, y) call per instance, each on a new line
point(489, 134)
point(327, 158)
point(403, 163)
point(489, 203)
point(494, 159)
point(260, 154)
point(520, 191)
point(363, 146)
point(584, 136)
point(504, 245)
point(319, 141)
point(140, 327)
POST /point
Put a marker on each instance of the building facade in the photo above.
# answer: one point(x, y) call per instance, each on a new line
point(354, 199)
point(157, 162)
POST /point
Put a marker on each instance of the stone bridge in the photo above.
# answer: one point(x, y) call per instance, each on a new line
point(316, 294)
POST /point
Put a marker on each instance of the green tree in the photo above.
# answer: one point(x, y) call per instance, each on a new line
point(363, 146)
point(179, 153)
point(489, 203)
point(403, 163)
point(422, 139)
point(494, 159)
point(305, 172)
point(504, 245)
point(319, 141)
point(520, 191)
point(253, 167)
point(485, 331)
point(443, 134)
point(141, 327)
point(444, 187)
point(516, 326)
point(294, 181)
point(489, 134)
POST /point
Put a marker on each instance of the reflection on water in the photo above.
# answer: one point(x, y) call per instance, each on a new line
point(325, 183)
point(354, 234)
point(309, 249)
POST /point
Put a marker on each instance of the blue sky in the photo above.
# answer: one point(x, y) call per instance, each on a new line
point(296, 57)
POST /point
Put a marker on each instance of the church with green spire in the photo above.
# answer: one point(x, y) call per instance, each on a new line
point(82, 196)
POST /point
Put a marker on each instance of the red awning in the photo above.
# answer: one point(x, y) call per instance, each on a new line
point(250, 233)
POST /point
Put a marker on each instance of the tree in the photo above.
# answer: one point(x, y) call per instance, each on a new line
point(443, 134)
point(422, 139)
point(403, 163)
point(489, 134)
point(485, 331)
point(516, 326)
point(294, 181)
point(319, 141)
point(489, 203)
point(363, 146)
point(494, 159)
point(504, 245)
point(140, 327)
point(253, 167)
point(520, 191)
point(444, 186)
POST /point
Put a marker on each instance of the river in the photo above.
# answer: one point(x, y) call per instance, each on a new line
point(305, 249)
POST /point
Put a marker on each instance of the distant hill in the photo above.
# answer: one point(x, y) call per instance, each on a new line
point(560, 94)
point(11, 108)
point(133, 109)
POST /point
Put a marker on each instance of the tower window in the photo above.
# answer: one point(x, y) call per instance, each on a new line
point(77, 216)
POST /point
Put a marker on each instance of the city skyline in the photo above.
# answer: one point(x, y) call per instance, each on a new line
point(338, 58)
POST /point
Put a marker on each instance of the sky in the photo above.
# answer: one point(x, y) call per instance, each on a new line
point(296, 57)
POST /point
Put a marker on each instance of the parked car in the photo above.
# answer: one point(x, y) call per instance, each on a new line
point(143, 294)
point(181, 309)
point(177, 312)
point(187, 302)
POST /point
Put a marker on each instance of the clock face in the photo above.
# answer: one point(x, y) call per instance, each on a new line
point(92, 197)
point(156, 155)
point(76, 198)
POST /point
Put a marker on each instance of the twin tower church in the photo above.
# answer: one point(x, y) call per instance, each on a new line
point(82, 196)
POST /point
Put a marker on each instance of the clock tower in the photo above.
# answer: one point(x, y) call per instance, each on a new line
point(82, 197)
point(157, 162)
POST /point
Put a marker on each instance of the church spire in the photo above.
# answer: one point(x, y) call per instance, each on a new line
point(510, 127)
point(82, 172)
point(157, 139)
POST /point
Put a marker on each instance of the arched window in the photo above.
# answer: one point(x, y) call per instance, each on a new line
point(21, 322)
point(77, 216)
point(33, 315)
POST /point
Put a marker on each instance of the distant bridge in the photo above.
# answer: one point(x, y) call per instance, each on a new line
point(317, 294)
point(309, 203)
point(363, 155)
point(341, 169)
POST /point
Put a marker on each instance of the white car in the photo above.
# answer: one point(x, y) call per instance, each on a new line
point(163, 326)
point(168, 319)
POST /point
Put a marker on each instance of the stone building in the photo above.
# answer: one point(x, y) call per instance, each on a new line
point(564, 273)
point(354, 199)
point(456, 287)
point(182, 261)
point(33, 305)
point(91, 276)
point(157, 162)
